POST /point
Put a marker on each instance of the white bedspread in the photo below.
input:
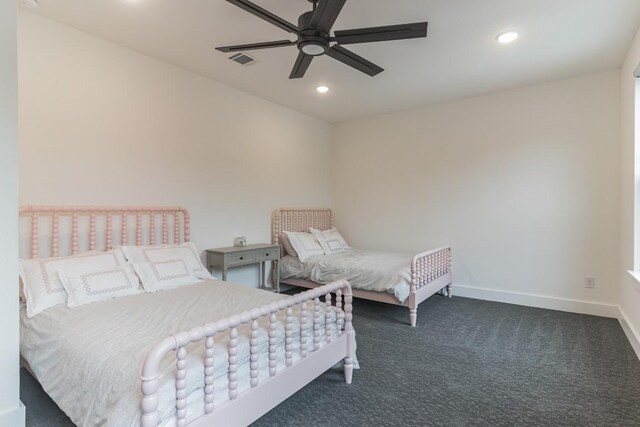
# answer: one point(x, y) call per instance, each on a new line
point(89, 358)
point(367, 270)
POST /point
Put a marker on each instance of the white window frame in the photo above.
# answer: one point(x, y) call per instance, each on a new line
point(636, 176)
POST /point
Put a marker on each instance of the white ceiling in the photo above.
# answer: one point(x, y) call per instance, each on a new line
point(559, 38)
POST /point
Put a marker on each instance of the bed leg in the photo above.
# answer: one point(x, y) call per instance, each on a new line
point(450, 290)
point(413, 316)
point(350, 335)
point(413, 309)
point(348, 369)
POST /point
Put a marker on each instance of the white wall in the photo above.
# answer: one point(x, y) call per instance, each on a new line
point(11, 412)
point(523, 184)
point(630, 288)
point(101, 124)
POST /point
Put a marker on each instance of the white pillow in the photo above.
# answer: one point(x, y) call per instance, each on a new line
point(42, 286)
point(330, 240)
point(161, 275)
point(304, 244)
point(99, 285)
point(287, 245)
point(185, 251)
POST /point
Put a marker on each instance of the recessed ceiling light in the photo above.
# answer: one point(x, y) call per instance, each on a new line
point(322, 89)
point(507, 37)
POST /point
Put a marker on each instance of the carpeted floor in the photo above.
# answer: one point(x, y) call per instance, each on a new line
point(468, 362)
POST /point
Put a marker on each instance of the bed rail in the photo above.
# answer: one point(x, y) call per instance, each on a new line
point(336, 316)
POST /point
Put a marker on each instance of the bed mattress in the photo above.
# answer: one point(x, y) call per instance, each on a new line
point(387, 272)
point(89, 358)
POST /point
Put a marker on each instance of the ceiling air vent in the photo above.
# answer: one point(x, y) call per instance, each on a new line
point(243, 59)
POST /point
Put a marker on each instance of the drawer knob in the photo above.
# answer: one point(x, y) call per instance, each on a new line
point(241, 257)
point(267, 254)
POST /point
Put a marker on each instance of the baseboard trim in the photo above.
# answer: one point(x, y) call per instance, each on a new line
point(630, 332)
point(14, 417)
point(539, 301)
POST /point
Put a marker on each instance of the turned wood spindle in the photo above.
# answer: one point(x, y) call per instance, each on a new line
point(74, 233)
point(109, 231)
point(288, 340)
point(123, 231)
point(92, 231)
point(303, 330)
point(253, 366)
point(149, 406)
point(272, 344)
point(339, 313)
point(233, 363)
point(187, 227)
point(55, 238)
point(176, 228)
point(316, 324)
point(328, 317)
point(208, 376)
point(152, 228)
point(165, 229)
point(181, 387)
point(138, 228)
point(34, 235)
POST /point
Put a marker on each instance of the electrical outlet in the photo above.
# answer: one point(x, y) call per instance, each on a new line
point(590, 282)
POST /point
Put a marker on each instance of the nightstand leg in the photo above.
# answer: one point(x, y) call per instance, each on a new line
point(224, 274)
point(277, 275)
point(261, 275)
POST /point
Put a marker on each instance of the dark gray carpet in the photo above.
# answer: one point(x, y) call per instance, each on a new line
point(468, 362)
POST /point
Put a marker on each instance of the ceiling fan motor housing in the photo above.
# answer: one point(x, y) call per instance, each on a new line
point(309, 41)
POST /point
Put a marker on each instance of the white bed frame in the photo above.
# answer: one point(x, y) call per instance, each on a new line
point(430, 270)
point(318, 352)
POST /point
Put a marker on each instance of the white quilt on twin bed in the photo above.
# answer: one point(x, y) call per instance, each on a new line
point(89, 358)
point(387, 272)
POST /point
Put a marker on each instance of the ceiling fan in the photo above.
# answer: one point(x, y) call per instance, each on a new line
point(314, 36)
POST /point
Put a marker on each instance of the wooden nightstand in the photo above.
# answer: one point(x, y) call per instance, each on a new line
point(225, 258)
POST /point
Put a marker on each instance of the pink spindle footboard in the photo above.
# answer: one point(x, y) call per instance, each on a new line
point(327, 346)
point(430, 271)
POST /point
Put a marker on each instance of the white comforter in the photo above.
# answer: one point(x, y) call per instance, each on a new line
point(88, 358)
point(367, 270)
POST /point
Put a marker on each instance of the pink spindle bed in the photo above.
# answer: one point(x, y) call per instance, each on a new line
point(315, 334)
point(429, 272)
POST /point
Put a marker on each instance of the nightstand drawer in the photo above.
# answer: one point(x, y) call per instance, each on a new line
point(241, 259)
point(270, 254)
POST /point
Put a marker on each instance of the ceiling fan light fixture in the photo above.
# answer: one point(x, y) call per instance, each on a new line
point(312, 48)
point(507, 37)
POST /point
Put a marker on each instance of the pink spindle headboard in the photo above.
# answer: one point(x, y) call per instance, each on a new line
point(299, 220)
point(101, 228)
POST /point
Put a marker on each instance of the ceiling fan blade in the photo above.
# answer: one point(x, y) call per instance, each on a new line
point(300, 67)
point(254, 46)
point(325, 14)
point(379, 34)
point(351, 59)
point(265, 14)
